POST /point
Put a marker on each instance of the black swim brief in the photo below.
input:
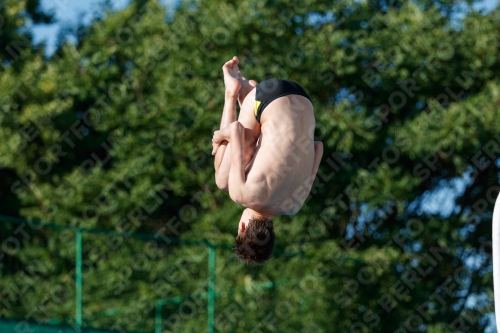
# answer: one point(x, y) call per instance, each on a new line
point(268, 90)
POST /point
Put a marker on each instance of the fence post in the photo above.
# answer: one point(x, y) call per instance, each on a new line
point(211, 289)
point(78, 280)
point(158, 319)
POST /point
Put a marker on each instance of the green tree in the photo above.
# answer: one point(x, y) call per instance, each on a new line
point(405, 98)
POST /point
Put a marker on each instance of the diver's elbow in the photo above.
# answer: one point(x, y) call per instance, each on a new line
point(222, 184)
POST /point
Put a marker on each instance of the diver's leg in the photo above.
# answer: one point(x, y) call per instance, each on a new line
point(222, 162)
point(246, 85)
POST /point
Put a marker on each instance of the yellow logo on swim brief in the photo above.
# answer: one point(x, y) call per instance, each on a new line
point(257, 103)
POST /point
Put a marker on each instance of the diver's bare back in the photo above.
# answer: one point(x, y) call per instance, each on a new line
point(281, 169)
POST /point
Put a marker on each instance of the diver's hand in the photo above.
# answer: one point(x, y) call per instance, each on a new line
point(224, 134)
point(219, 137)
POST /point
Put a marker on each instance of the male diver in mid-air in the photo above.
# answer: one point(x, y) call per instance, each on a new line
point(267, 159)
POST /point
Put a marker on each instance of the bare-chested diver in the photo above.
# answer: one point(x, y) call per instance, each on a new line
point(267, 159)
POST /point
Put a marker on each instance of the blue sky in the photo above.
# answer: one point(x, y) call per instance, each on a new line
point(67, 12)
point(71, 11)
point(488, 4)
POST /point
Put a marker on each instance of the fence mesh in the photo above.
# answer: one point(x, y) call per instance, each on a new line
point(88, 279)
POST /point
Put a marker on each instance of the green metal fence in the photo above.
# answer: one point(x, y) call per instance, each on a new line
point(17, 326)
point(54, 274)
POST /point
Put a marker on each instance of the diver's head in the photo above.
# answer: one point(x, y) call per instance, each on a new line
point(255, 240)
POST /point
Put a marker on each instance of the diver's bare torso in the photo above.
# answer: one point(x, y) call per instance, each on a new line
point(267, 166)
point(280, 169)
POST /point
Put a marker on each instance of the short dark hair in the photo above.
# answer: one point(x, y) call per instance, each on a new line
point(255, 245)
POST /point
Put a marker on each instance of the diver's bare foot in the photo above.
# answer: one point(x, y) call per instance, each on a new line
point(231, 79)
point(235, 71)
point(246, 87)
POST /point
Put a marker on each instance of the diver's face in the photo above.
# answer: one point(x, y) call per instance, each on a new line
point(241, 227)
point(244, 221)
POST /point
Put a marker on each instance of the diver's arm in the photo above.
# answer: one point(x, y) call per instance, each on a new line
point(222, 162)
point(237, 176)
